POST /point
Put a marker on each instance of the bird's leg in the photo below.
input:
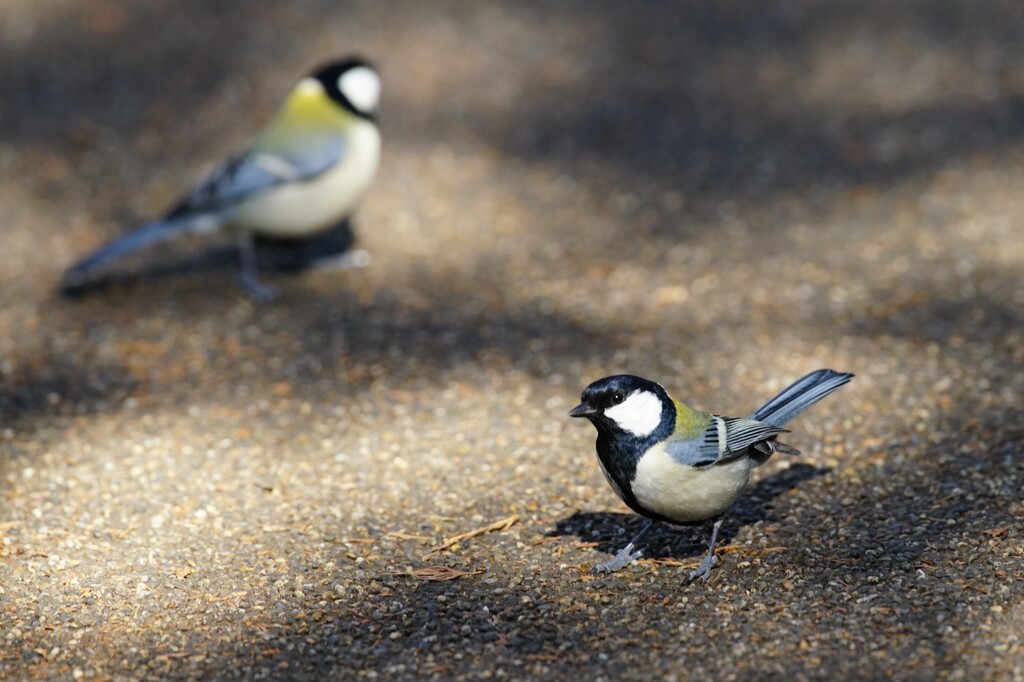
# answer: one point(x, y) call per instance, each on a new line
point(625, 556)
point(710, 559)
point(249, 278)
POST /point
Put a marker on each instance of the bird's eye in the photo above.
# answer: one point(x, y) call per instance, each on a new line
point(617, 397)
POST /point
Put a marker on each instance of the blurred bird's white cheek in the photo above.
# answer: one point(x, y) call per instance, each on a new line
point(639, 414)
point(362, 87)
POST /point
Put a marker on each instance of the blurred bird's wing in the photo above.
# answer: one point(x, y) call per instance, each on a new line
point(306, 156)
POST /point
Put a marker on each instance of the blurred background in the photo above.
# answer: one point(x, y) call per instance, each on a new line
point(718, 196)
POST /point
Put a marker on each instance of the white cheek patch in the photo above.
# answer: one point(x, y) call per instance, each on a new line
point(361, 86)
point(639, 414)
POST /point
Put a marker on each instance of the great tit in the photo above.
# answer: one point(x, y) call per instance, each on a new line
point(304, 173)
point(670, 462)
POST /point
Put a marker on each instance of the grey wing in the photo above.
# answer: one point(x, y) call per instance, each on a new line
point(728, 438)
point(255, 171)
point(688, 451)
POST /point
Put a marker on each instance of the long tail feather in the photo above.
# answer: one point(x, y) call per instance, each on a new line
point(150, 233)
point(800, 395)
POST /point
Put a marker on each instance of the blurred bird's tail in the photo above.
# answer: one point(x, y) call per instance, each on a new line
point(800, 395)
point(157, 231)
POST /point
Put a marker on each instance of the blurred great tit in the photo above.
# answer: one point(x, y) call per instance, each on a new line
point(304, 173)
point(670, 462)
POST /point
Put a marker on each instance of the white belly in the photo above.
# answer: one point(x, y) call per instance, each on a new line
point(686, 494)
point(301, 209)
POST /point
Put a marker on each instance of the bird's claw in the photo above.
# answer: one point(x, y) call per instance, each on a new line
point(259, 292)
point(703, 571)
point(624, 557)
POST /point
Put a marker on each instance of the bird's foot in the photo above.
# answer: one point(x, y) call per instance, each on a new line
point(623, 558)
point(258, 291)
point(350, 260)
point(703, 571)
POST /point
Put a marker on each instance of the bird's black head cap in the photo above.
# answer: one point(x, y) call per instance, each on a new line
point(627, 406)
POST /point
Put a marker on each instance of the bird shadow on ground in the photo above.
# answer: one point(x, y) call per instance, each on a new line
point(610, 531)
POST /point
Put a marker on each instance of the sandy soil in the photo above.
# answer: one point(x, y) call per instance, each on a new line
point(720, 196)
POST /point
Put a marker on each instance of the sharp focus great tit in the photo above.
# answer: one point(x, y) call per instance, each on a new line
point(304, 174)
point(670, 462)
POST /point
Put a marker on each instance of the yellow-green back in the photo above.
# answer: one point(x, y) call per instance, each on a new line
point(307, 112)
point(690, 423)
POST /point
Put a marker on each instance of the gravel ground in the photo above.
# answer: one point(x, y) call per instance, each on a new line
point(720, 196)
